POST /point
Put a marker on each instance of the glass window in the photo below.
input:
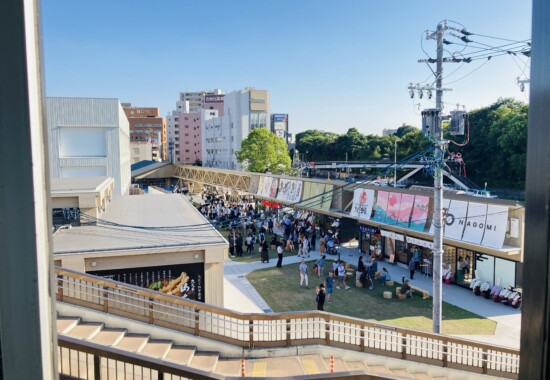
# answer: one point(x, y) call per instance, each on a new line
point(485, 268)
point(505, 272)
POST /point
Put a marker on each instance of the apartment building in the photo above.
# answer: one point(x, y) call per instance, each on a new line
point(146, 126)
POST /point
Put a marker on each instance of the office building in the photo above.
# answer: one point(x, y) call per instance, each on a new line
point(146, 126)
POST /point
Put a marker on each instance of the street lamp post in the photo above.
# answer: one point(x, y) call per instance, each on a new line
point(395, 164)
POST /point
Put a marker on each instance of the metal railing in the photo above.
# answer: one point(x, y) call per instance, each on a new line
point(283, 329)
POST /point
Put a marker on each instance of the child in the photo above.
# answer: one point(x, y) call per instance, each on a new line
point(330, 286)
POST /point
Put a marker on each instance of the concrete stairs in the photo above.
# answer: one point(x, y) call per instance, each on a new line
point(284, 366)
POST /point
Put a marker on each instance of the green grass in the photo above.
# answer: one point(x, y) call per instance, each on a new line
point(281, 290)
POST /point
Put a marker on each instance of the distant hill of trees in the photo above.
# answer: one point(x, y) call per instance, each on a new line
point(496, 152)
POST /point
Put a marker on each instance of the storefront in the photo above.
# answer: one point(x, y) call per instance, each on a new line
point(370, 239)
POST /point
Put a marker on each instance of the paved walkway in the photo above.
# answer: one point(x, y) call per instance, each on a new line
point(240, 295)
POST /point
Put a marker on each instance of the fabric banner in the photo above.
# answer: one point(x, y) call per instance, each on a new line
point(446, 203)
point(392, 235)
point(381, 206)
point(495, 226)
point(407, 202)
point(454, 219)
point(394, 204)
point(363, 202)
point(264, 187)
point(291, 191)
point(419, 242)
point(419, 214)
point(475, 223)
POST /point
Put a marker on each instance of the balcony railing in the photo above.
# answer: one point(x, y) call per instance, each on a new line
point(283, 329)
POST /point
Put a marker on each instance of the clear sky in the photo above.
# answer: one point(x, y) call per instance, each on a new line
point(331, 65)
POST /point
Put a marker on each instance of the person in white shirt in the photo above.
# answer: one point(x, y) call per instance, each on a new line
point(305, 246)
point(341, 275)
point(303, 274)
point(280, 254)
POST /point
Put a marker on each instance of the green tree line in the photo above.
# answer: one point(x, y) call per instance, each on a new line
point(495, 153)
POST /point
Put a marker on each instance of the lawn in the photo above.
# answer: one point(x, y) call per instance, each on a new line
point(281, 290)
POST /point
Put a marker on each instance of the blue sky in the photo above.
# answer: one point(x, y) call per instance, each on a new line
point(331, 65)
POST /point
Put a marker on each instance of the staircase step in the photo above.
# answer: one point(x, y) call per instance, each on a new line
point(402, 373)
point(339, 365)
point(421, 376)
point(132, 342)
point(85, 330)
point(229, 367)
point(313, 364)
point(157, 348)
point(109, 336)
point(65, 324)
point(356, 366)
point(378, 369)
point(204, 360)
point(180, 354)
point(284, 366)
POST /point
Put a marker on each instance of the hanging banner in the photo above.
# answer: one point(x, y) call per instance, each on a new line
point(381, 206)
point(264, 187)
point(290, 191)
point(495, 226)
point(394, 204)
point(475, 223)
point(363, 201)
point(419, 242)
point(446, 203)
point(454, 219)
point(405, 209)
point(392, 235)
point(419, 214)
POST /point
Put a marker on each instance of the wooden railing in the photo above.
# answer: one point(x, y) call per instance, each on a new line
point(283, 329)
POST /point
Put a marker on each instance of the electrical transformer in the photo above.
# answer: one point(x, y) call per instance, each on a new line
point(430, 121)
point(458, 120)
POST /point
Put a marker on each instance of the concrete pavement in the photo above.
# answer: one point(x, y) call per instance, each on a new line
point(241, 296)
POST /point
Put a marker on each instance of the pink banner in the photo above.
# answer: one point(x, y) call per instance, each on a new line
point(381, 206)
point(407, 204)
point(392, 213)
point(419, 213)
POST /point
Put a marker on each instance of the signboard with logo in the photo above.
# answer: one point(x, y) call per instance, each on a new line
point(213, 98)
point(495, 226)
point(475, 223)
point(363, 202)
point(454, 219)
point(184, 280)
point(259, 100)
point(279, 117)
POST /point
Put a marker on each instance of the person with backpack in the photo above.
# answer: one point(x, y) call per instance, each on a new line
point(321, 295)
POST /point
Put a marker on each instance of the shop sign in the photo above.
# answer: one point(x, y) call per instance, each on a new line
point(279, 117)
point(392, 235)
point(368, 229)
point(495, 226)
point(213, 98)
point(419, 242)
point(474, 224)
point(453, 218)
point(363, 201)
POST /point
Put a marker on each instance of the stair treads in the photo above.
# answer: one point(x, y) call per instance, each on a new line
point(108, 336)
point(132, 342)
point(85, 330)
point(156, 348)
point(180, 354)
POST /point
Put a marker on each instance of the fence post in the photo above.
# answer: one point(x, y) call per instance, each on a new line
point(484, 358)
point(197, 322)
point(250, 333)
point(288, 330)
point(327, 330)
point(404, 345)
point(105, 299)
point(362, 343)
point(97, 367)
point(59, 293)
point(445, 352)
point(151, 312)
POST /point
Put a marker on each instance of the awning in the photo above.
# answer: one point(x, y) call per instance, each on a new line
point(272, 204)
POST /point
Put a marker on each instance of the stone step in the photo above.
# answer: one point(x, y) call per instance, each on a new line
point(180, 354)
point(204, 360)
point(229, 367)
point(65, 324)
point(284, 366)
point(156, 348)
point(85, 330)
point(108, 336)
point(339, 365)
point(132, 342)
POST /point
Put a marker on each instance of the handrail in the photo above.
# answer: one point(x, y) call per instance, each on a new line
point(250, 330)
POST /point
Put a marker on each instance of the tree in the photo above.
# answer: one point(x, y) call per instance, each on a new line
point(262, 151)
point(197, 162)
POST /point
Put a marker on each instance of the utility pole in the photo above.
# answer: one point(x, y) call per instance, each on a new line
point(438, 182)
point(395, 163)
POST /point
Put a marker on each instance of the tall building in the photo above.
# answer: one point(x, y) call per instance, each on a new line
point(147, 127)
point(89, 137)
point(279, 126)
point(243, 111)
point(184, 124)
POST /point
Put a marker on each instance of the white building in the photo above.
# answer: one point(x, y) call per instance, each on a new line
point(244, 110)
point(89, 137)
point(142, 151)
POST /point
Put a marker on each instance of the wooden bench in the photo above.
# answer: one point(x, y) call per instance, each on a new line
point(425, 293)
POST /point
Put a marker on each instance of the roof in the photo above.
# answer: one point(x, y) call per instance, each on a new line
point(141, 164)
point(62, 186)
point(137, 222)
point(147, 167)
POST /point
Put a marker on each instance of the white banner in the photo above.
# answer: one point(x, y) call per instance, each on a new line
point(267, 187)
point(446, 203)
point(475, 223)
point(454, 219)
point(290, 190)
point(392, 235)
point(495, 226)
point(363, 201)
point(421, 243)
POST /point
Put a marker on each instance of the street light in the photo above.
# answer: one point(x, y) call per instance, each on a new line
point(395, 164)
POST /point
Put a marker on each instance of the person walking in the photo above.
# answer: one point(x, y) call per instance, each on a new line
point(330, 286)
point(264, 252)
point(320, 265)
point(305, 246)
point(321, 295)
point(342, 276)
point(303, 274)
point(280, 254)
point(411, 268)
